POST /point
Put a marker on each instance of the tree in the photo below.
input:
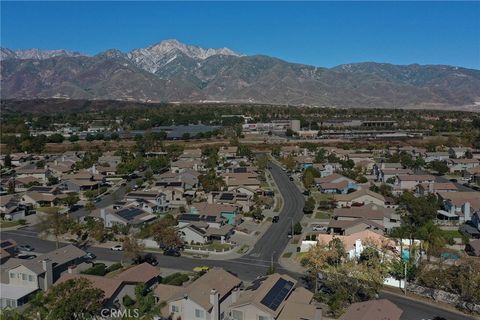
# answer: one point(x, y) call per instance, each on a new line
point(11, 186)
point(297, 228)
point(433, 240)
point(71, 199)
point(165, 234)
point(308, 177)
point(440, 166)
point(289, 132)
point(262, 162)
point(320, 157)
point(309, 205)
point(7, 161)
point(72, 299)
point(132, 247)
point(55, 223)
point(90, 206)
point(289, 162)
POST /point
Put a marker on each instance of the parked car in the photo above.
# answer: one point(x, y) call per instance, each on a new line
point(289, 234)
point(171, 252)
point(453, 180)
point(97, 199)
point(89, 256)
point(149, 258)
point(117, 247)
point(306, 193)
point(26, 247)
point(319, 228)
point(291, 178)
point(26, 256)
point(275, 219)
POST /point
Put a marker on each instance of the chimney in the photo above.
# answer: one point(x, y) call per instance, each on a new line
point(235, 295)
point(56, 162)
point(430, 187)
point(318, 313)
point(466, 211)
point(94, 169)
point(214, 301)
point(48, 279)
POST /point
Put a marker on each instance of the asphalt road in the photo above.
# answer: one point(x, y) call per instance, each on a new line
point(267, 250)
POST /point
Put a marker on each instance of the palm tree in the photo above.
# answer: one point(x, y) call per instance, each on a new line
point(433, 240)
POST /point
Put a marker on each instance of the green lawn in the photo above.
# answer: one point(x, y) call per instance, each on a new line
point(8, 224)
point(287, 254)
point(318, 196)
point(322, 215)
point(451, 234)
point(48, 209)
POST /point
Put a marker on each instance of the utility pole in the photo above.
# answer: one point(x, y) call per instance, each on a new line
point(292, 229)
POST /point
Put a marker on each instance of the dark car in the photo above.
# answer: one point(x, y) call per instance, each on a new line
point(171, 252)
point(453, 180)
point(149, 258)
point(291, 178)
point(275, 219)
point(89, 256)
point(306, 193)
point(26, 256)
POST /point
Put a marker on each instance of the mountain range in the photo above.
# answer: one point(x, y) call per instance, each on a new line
point(171, 71)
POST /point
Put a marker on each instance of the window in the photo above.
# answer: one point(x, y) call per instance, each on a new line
point(263, 318)
point(198, 313)
point(237, 315)
point(30, 278)
point(175, 309)
point(12, 275)
point(24, 277)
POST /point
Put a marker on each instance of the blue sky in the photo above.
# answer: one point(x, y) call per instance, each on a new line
point(316, 33)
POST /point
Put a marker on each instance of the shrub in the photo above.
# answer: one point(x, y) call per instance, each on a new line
point(176, 279)
point(127, 301)
point(114, 267)
point(22, 222)
point(98, 269)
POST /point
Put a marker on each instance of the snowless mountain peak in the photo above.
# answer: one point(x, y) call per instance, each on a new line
point(36, 54)
point(195, 52)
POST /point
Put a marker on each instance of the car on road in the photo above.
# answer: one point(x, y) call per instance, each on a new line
point(97, 199)
point(26, 256)
point(306, 193)
point(291, 178)
point(26, 247)
point(117, 247)
point(171, 252)
point(89, 256)
point(275, 219)
point(148, 258)
point(453, 180)
point(319, 228)
point(289, 234)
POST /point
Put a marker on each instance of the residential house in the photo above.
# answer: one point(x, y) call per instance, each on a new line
point(410, 181)
point(43, 196)
point(200, 232)
point(346, 221)
point(208, 297)
point(457, 152)
point(182, 165)
point(362, 197)
point(11, 208)
point(228, 212)
point(462, 204)
point(248, 179)
point(386, 175)
point(126, 216)
point(274, 297)
point(7, 249)
point(123, 284)
point(228, 152)
point(434, 187)
point(31, 170)
point(335, 183)
point(24, 183)
point(436, 156)
point(460, 165)
point(157, 199)
point(243, 201)
point(43, 271)
point(191, 154)
point(354, 243)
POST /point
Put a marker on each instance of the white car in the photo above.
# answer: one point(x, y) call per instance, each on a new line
point(117, 247)
point(319, 228)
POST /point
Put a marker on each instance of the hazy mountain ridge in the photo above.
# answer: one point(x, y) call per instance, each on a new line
point(172, 71)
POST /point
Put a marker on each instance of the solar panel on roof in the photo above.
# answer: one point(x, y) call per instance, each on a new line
point(5, 243)
point(277, 294)
point(227, 196)
point(129, 213)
